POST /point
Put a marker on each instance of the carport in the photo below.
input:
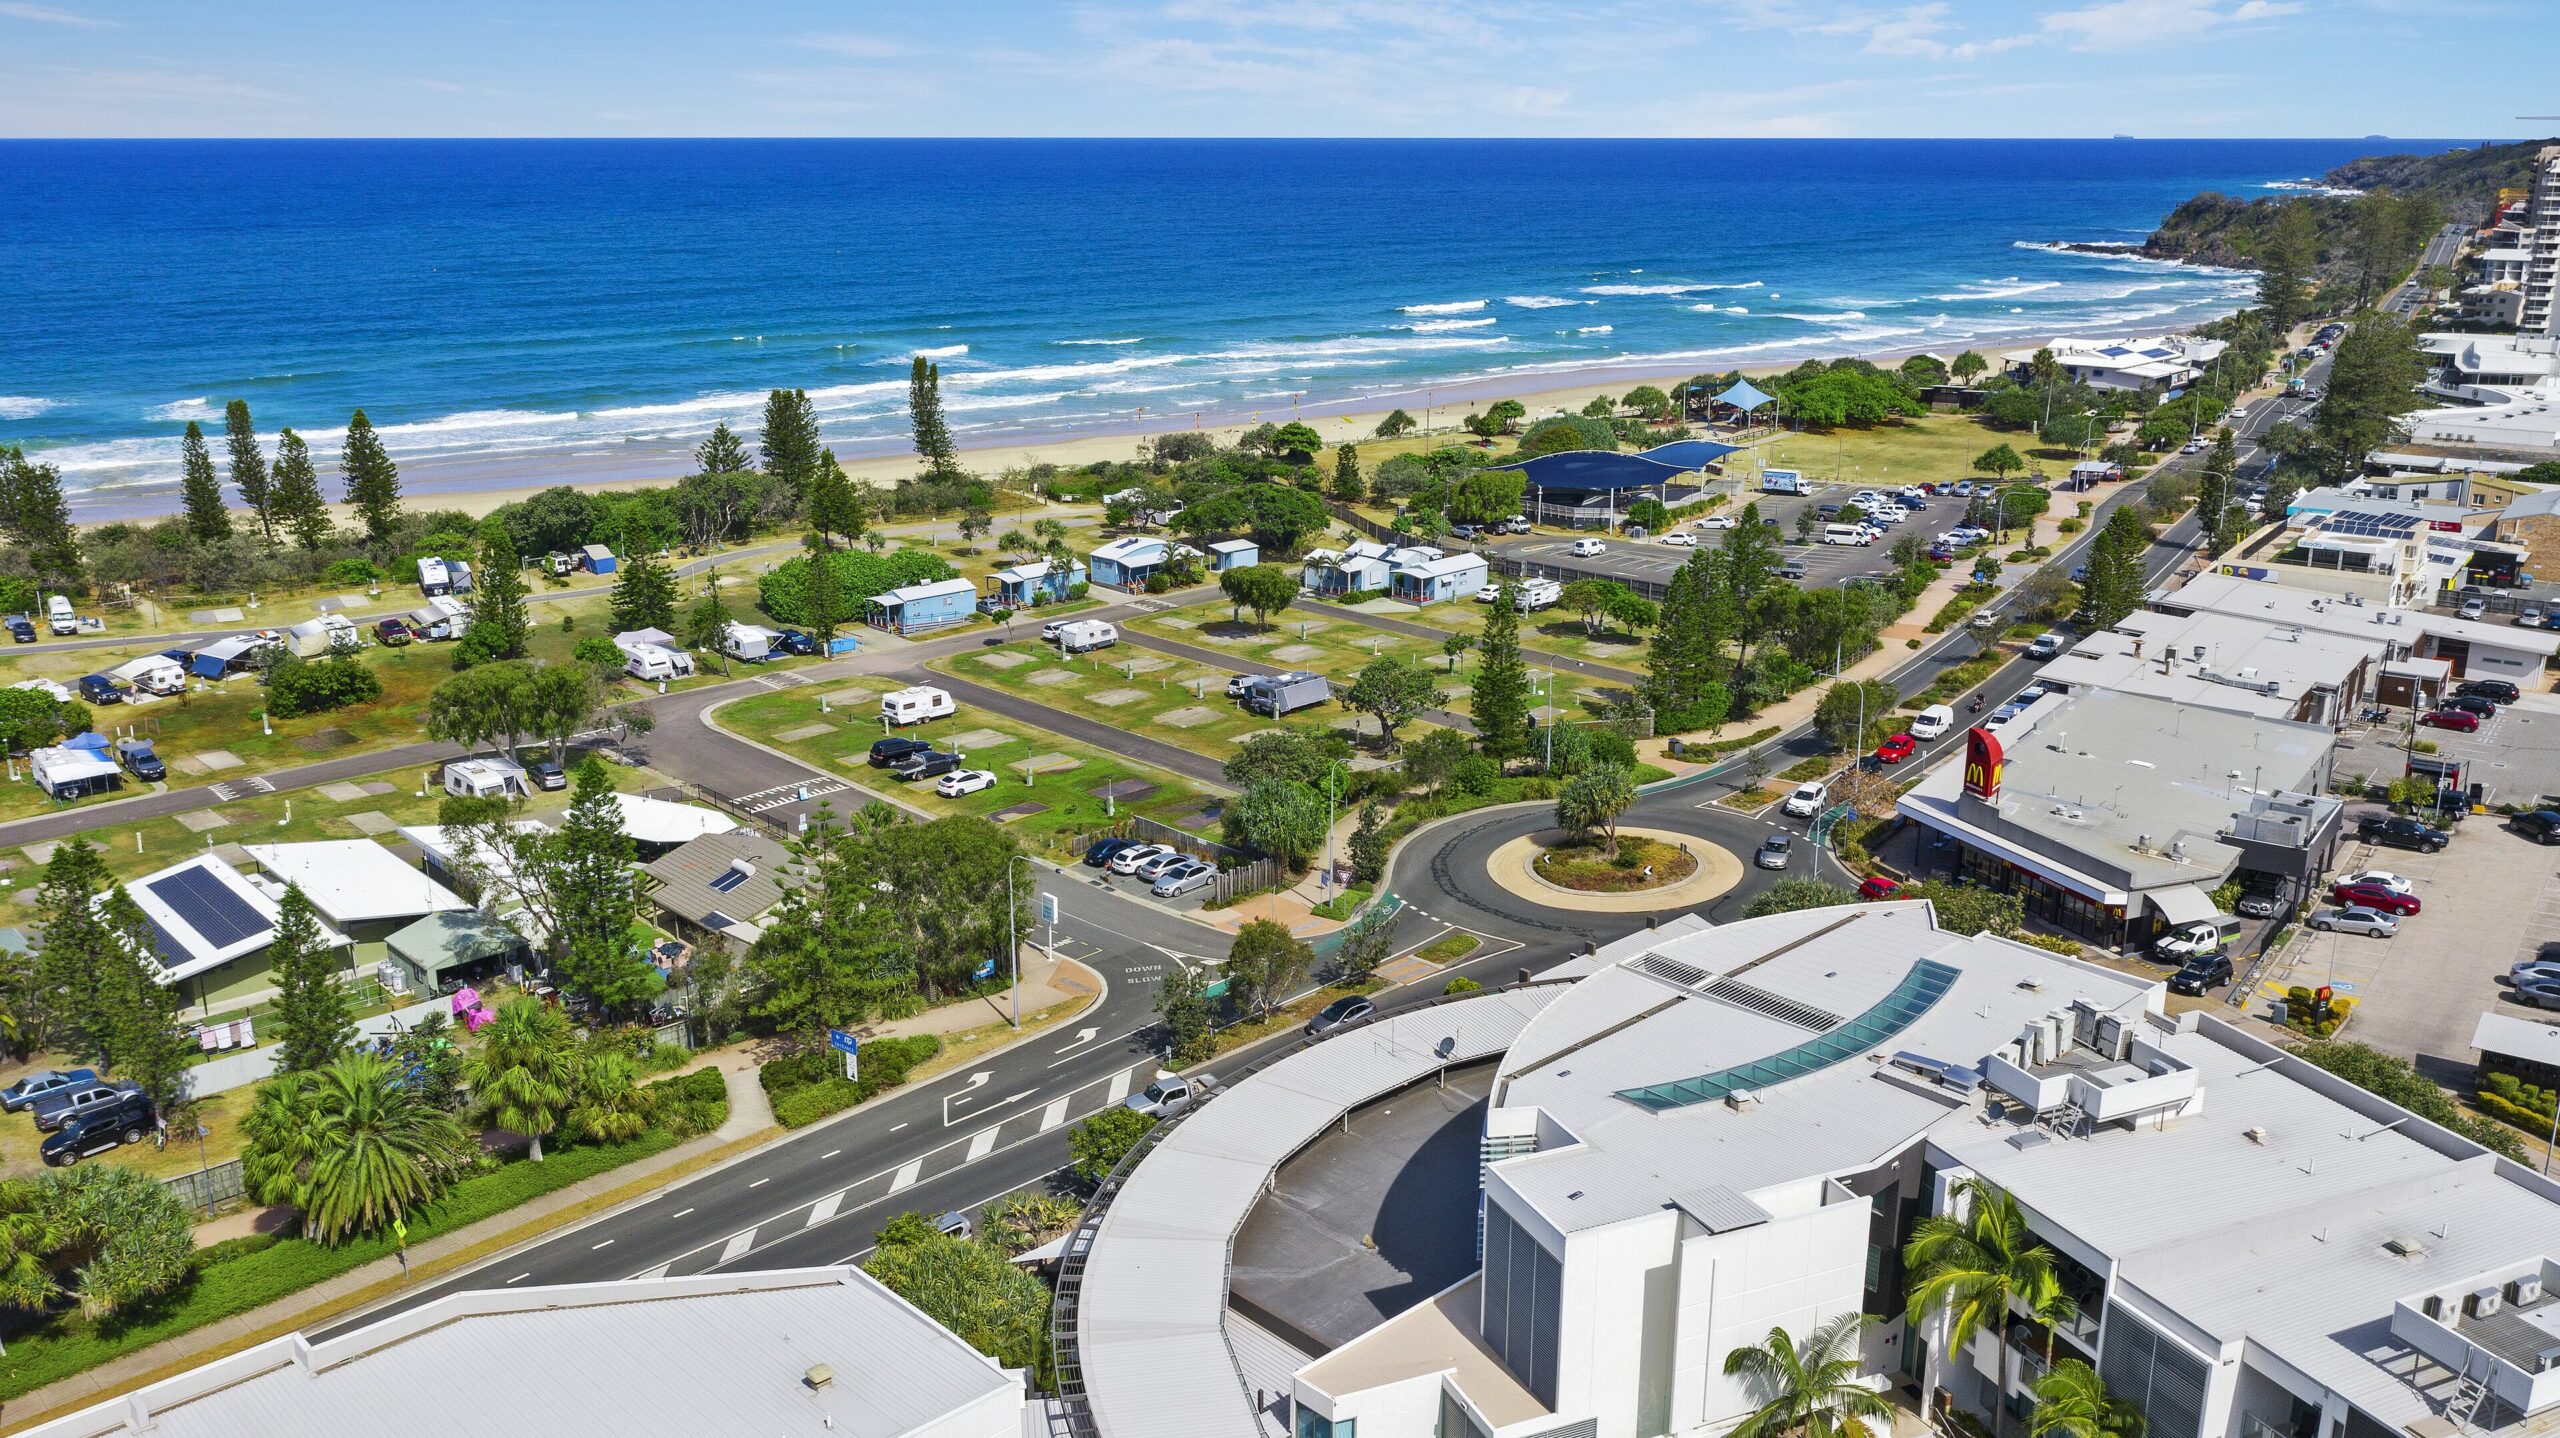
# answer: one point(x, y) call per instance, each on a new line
point(1592, 487)
point(446, 950)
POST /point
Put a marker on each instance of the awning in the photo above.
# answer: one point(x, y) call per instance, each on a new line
point(2184, 904)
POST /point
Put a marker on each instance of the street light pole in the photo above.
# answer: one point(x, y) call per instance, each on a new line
point(1013, 949)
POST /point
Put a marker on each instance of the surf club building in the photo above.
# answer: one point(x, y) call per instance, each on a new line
point(2114, 816)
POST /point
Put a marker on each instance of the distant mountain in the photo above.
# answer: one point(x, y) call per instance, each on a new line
point(2218, 229)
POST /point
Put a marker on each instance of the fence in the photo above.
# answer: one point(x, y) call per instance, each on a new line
point(209, 1187)
point(1239, 871)
point(1509, 567)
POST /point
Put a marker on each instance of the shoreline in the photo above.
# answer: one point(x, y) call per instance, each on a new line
point(477, 485)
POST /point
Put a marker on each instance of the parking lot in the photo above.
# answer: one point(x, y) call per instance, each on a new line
point(2490, 899)
point(2514, 756)
point(1650, 560)
point(1142, 890)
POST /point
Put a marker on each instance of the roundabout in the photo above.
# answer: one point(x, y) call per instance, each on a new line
point(1693, 872)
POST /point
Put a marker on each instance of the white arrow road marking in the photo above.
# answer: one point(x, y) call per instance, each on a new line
point(952, 1100)
point(824, 1209)
point(1083, 1037)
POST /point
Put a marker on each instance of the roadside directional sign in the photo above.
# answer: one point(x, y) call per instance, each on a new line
point(849, 1045)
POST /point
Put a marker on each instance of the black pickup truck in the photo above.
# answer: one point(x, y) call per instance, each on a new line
point(2398, 831)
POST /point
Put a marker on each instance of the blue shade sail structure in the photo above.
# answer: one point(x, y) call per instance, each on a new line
point(1744, 396)
point(1918, 992)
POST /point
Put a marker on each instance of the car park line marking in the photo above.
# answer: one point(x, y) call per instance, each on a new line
point(824, 1208)
point(738, 1243)
point(1118, 1089)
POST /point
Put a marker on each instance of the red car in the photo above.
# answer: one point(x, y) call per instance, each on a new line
point(2374, 896)
point(393, 631)
point(1877, 886)
point(2460, 720)
point(1897, 748)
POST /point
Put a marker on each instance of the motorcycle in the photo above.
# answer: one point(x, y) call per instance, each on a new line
point(1976, 706)
point(2376, 716)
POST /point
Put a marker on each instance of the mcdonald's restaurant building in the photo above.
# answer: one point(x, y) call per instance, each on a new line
point(2115, 816)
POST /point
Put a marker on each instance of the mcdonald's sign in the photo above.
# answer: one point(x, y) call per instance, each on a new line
point(1982, 760)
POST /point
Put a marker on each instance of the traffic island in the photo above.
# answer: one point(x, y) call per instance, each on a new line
point(1686, 871)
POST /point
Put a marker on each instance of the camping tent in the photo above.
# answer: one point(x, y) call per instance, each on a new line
point(315, 637)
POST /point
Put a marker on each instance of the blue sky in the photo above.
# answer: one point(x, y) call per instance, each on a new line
point(2437, 68)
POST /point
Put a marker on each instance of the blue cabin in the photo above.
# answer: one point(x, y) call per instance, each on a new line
point(1226, 554)
point(921, 607)
point(1360, 569)
point(1428, 581)
point(1039, 580)
point(597, 559)
point(1130, 561)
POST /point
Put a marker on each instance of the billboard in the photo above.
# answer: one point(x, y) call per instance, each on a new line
point(1982, 761)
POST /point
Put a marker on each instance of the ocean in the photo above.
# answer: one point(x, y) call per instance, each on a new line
point(512, 307)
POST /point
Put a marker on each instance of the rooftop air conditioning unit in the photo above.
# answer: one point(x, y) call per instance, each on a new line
point(2526, 1291)
point(2432, 1306)
point(2483, 1302)
point(1743, 1098)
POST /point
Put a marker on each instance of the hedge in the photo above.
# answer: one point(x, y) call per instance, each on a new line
point(252, 1274)
point(808, 1086)
point(784, 591)
point(692, 1103)
point(2505, 1097)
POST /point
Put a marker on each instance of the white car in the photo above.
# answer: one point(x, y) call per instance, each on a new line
point(2378, 878)
point(2532, 970)
point(1182, 878)
point(1717, 521)
point(1680, 538)
point(1807, 800)
point(964, 781)
point(2369, 922)
point(2471, 608)
point(1585, 548)
point(1489, 594)
point(1127, 861)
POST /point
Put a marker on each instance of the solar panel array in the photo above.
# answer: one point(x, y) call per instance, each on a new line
point(1918, 992)
point(2373, 526)
point(728, 880)
point(205, 904)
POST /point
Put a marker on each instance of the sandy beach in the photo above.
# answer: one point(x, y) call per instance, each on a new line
point(480, 484)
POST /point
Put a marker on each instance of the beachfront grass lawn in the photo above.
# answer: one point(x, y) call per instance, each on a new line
point(1933, 449)
point(1064, 789)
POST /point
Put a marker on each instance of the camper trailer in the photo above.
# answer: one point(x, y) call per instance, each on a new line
point(915, 706)
point(434, 622)
point(485, 778)
point(315, 637)
point(747, 643)
point(433, 577)
point(1087, 634)
point(153, 674)
point(1275, 695)
point(649, 661)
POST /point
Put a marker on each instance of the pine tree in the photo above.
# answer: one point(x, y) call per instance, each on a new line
point(1501, 696)
point(1369, 844)
point(1348, 486)
point(2286, 258)
point(294, 490)
point(2115, 585)
point(249, 466)
point(373, 482)
point(706, 624)
point(36, 516)
point(790, 440)
point(207, 521)
point(311, 1007)
point(2213, 491)
point(830, 501)
point(145, 1045)
point(2372, 383)
point(644, 596)
point(722, 453)
point(924, 415)
point(67, 973)
point(497, 599)
point(826, 593)
point(594, 904)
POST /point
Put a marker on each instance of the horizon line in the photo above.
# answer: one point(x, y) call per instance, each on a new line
point(1259, 139)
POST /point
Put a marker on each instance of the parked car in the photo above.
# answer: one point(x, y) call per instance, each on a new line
point(110, 1126)
point(792, 641)
point(889, 753)
point(1340, 1012)
point(1717, 521)
point(65, 1104)
point(1489, 594)
point(21, 628)
point(2529, 617)
point(964, 781)
point(1184, 877)
point(1239, 685)
point(2379, 878)
point(2540, 993)
point(1049, 631)
point(1897, 748)
point(100, 689)
point(547, 774)
point(1774, 851)
point(2496, 690)
point(2535, 970)
point(2480, 704)
point(2461, 721)
point(26, 1091)
point(2200, 975)
point(1155, 867)
point(1681, 538)
point(141, 760)
point(1463, 531)
point(2473, 608)
point(932, 763)
point(2399, 831)
point(2259, 906)
point(2542, 826)
point(2374, 896)
point(954, 1224)
point(1102, 851)
point(1128, 860)
point(1586, 548)
point(2355, 921)
point(1170, 1094)
point(393, 632)
point(1792, 569)
point(1807, 800)
point(1877, 886)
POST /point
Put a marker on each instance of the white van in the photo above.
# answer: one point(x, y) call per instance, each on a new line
point(914, 706)
point(652, 661)
point(1080, 635)
point(59, 615)
point(1931, 722)
point(1856, 534)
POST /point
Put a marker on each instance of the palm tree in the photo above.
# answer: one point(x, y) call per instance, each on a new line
point(27, 1238)
point(282, 1127)
point(609, 1105)
point(1977, 1267)
point(2072, 1401)
point(525, 1069)
point(378, 1149)
point(1813, 1387)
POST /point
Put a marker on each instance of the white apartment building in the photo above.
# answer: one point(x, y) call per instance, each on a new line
point(2490, 369)
point(2159, 362)
point(2542, 268)
point(1716, 1131)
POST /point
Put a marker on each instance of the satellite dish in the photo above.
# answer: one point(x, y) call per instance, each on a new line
point(1446, 1046)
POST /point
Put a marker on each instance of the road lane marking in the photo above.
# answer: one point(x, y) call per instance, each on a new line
point(980, 1145)
point(893, 1128)
point(1055, 1114)
point(830, 1153)
point(824, 1209)
point(738, 1243)
point(519, 1278)
point(608, 1243)
point(906, 1175)
point(759, 1183)
point(679, 1213)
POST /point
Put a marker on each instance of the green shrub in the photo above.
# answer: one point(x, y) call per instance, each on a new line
point(350, 571)
point(808, 1086)
point(1460, 985)
point(691, 1104)
point(296, 687)
point(1100, 1142)
point(806, 1105)
point(231, 1248)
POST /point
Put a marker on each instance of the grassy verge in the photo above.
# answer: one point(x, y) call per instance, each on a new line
point(1342, 905)
point(1449, 948)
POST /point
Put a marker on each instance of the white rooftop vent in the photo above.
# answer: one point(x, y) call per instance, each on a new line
point(818, 1376)
point(2254, 1134)
point(2404, 1247)
point(1741, 1098)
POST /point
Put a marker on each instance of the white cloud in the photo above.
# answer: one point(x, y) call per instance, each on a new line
point(48, 15)
point(1917, 30)
point(2131, 24)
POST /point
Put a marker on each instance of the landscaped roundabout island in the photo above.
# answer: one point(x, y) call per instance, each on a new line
point(1652, 869)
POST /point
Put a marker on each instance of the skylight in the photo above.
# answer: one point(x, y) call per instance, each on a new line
point(1916, 994)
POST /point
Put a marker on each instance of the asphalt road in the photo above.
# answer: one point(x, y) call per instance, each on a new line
point(2442, 248)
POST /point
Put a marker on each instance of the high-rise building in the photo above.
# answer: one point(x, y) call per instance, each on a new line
point(2542, 271)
